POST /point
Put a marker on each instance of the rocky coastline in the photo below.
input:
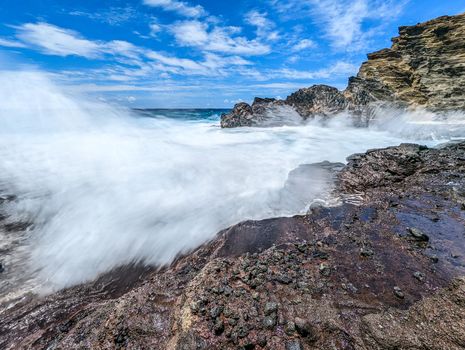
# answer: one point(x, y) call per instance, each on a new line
point(424, 69)
point(382, 269)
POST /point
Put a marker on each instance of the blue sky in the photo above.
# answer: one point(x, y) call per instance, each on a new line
point(201, 53)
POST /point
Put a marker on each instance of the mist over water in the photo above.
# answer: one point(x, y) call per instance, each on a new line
point(105, 186)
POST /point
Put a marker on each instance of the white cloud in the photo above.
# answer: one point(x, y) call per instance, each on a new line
point(154, 29)
point(58, 41)
point(217, 39)
point(265, 27)
point(11, 43)
point(303, 45)
point(180, 7)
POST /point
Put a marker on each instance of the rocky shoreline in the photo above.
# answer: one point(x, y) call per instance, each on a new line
point(382, 270)
point(424, 69)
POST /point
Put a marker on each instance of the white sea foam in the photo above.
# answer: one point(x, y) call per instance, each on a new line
point(105, 188)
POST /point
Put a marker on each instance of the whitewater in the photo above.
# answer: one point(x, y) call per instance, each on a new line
point(102, 186)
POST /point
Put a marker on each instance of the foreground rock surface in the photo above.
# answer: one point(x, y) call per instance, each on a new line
point(425, 67)
point(361, 275)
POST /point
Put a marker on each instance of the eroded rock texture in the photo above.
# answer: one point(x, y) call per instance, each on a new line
point(425, 67)
point(383, 270)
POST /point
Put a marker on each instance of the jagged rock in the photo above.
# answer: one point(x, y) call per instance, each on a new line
point(425, 67)
point(317, 100)
point(241, 115)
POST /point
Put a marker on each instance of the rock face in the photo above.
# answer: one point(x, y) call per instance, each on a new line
point(425, 67)
point(353, 276)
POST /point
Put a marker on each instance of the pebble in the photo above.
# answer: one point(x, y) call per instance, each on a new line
point(270, 308)
point(366, 252)
point(289, 328)
point(325, 270)
point(269, 321)
point(398, 293)
point(293, 345)
point(419, 276)
point(418, 235)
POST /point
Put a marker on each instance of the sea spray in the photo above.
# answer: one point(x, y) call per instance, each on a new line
point(104, 187)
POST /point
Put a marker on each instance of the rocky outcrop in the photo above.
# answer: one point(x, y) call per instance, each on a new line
point(380, 271)
point(424, 68)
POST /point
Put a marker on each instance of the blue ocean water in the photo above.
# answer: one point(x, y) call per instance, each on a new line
point(212, 115)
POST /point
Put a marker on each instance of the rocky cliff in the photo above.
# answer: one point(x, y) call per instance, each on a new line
point(425, 68)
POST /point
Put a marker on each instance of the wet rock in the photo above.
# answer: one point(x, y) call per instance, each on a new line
point(418, 234)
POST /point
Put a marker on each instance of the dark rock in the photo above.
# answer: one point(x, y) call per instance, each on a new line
point(241, 115)
point(419, 276)
point(305, 329)
point(218, 327)
point(269, 321)
point(366, 252)
point(317, 100)
point(418, 235)
point(293, 345)
point(289, 328)
point(270, 308)
point(399, 293)
point(325, 270)
point(216, 311)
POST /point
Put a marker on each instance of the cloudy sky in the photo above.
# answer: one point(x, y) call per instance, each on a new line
point(201, 53)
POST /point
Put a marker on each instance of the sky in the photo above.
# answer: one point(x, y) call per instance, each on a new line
point(201, 53)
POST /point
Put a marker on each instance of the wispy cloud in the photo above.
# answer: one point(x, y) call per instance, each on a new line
point(180, 7)
point(342, 21)
point(198, 34)
point(303, 45)
point(114, 16)
point(11, 43)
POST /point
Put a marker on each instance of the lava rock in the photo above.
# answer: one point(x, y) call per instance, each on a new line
point(269, 321)
point(270, 308)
